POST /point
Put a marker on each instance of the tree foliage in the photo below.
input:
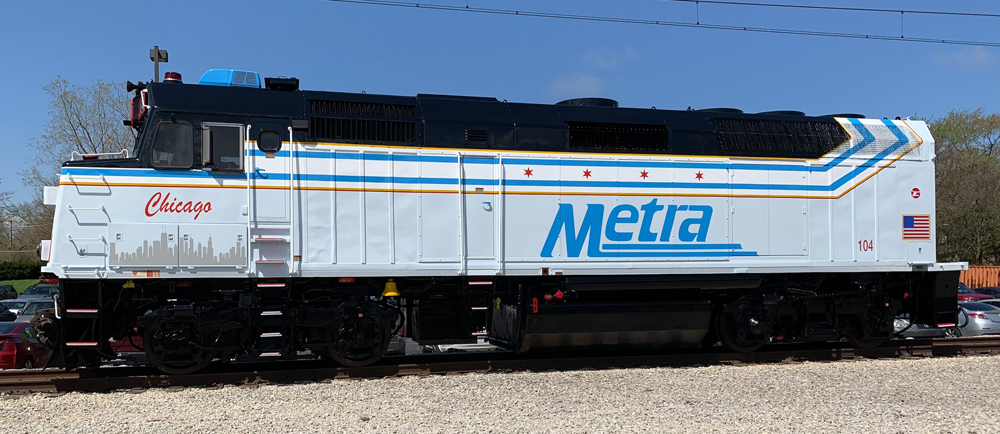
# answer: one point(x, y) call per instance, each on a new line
point(87, 120)
point(968, 186)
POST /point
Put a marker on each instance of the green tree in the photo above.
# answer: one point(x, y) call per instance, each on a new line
point(968, 186)
point(85, 120)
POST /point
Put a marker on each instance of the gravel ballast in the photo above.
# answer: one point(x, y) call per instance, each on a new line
point(947, 395)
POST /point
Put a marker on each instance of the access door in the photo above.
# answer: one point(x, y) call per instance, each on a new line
point(480, 211)
point(270, 161)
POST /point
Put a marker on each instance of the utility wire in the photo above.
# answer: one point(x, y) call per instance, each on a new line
point(837, 8)
point(662, 23)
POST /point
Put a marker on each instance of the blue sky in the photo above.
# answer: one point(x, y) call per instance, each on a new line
point(391, 50)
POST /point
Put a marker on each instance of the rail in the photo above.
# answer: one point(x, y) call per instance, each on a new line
point(115, 378)
point(124, 153)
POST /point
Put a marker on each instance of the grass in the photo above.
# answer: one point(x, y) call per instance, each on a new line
point(20, 285)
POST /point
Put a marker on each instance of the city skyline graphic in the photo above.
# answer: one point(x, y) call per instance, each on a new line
point(191, 252)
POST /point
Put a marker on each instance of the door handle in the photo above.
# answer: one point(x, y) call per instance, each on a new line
point(259, 173)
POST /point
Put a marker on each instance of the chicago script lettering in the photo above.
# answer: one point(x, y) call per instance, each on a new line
point(164, 203)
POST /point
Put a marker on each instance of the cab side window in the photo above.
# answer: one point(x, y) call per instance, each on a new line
point(223, 147)
point(173, 146)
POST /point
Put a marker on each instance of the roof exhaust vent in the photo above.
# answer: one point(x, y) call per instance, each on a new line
point(590, 102)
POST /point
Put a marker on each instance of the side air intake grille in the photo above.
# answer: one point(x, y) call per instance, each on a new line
point(476, 136)
point(363, 130)
point(618, 137)
point(774, 138)
point(360, 109)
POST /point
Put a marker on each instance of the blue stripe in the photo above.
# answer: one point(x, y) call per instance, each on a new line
point(716, 254)
point(671, 246)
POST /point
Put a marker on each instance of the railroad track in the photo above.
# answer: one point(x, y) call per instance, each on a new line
point(124, 378)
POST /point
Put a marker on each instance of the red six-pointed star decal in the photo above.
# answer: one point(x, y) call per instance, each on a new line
point(527, 172)
point(586, 173)
point(698, 175)
point(644, 174)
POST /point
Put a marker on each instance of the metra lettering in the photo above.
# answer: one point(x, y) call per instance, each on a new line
point(159, 203)
point(693, 227)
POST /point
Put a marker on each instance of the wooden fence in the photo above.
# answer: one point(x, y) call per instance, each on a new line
point(981, 276)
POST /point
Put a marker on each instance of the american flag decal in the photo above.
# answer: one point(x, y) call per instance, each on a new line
point(916, 227)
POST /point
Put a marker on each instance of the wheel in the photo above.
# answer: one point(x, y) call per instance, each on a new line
point(177, 348)
point(952, 332)
point(729, 331)
point(29, 363)
point(358, 342)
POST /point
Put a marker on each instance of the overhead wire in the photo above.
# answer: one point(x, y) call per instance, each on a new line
point(598, 18)
point(836, 8)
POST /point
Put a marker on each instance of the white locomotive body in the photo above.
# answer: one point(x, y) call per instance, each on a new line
point(236, 192)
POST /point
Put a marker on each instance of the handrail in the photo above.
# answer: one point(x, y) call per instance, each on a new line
point(71, 239)
point(250, 179)
point(98, 177)
point(500, 218)
point(74, 154)
point(291, 202)
point(71, 209)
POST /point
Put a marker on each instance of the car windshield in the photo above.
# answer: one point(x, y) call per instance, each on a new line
point(962, 289)
point(982, 307)
point(11, 304)
point(7, 327)
point(36, 306)
point(39, 290)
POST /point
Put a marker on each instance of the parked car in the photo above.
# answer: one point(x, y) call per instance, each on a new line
point(6, 315)
point(991, 301)
point(34, 306)
point(13, 305)
point(968, 294)
point(39, 291)
point(978, 319)
point(20, 347)
point(992, 291)
point(7, 292)
point(903, 329)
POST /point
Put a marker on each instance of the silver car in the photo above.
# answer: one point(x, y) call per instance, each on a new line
point(978, 319)
point(34, 306)
point(13, 305)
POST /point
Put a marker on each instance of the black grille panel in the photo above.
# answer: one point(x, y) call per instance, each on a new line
point(618, 137)
point(360, 109)
point(476, 136)
point(363, 130)
point(776, 138)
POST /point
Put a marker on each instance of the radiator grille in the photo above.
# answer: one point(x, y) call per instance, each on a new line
point(778, 138)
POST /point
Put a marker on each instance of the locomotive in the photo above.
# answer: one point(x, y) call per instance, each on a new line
point(257, 221)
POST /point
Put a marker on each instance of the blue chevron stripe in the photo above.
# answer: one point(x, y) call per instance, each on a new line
point(867, 139)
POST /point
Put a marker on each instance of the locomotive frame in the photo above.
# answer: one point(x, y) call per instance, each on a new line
point(271, 223)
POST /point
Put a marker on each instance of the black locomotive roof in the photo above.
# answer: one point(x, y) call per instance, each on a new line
point(446, 121)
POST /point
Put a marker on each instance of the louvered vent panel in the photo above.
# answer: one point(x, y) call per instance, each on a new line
point(623, 137)
point(363, 130)
point(777, 138)
point(476, 136)
point(360, 109)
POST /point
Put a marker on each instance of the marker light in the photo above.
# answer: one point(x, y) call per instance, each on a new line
point(560, 295)
point(172, 77)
